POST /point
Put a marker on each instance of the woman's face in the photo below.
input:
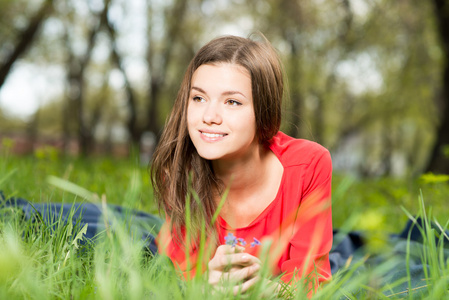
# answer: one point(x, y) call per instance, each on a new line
point(220, 113)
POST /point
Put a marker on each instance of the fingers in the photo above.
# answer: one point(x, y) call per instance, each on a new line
point(232, 265)
point(241, 274)
point(232, 273)
point(235, 275)
point(242, 288)
point(227, 261)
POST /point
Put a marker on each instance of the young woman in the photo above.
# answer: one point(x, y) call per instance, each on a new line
point(222, 141)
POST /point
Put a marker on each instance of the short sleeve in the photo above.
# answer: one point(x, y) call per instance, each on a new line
point(312, 238)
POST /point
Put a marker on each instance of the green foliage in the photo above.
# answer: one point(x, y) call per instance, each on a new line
point(100, 175)
point(380, 200)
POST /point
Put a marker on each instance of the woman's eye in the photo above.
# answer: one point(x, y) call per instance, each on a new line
point(233, 102)
point(198, 99)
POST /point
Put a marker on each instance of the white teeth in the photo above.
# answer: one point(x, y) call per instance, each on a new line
point(212, 135)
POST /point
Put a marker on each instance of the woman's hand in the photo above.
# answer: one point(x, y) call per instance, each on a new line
point(231, 264)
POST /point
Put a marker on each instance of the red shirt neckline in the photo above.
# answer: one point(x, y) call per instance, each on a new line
point(222, 222)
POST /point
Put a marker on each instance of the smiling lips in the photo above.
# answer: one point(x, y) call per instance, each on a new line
point(212, 136)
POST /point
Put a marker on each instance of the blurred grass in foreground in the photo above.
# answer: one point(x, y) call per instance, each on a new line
point(39, 261)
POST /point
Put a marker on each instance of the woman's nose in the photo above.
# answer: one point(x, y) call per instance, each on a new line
point(212, 114)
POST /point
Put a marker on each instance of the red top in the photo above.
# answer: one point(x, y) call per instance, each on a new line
point(298, 222)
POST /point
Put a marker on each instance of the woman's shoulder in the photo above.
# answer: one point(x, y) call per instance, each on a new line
point(293, 151)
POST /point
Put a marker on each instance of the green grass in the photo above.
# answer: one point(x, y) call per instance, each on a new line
point(47, 261)
point(27, 177)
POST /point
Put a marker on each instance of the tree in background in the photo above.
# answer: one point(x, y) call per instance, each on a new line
point(439, 158)
point(12, 51)
point(367, 76)
point(76, 67)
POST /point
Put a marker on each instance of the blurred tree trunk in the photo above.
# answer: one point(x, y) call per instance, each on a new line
point(319, 121)
point(32, 131)
point(117, 59)
point(26, 39)
point(439, 160)
point(158, 64)
point(68, 105)
point(290, 30)
point(295, 97)
point(386, 156)
point(76, 84)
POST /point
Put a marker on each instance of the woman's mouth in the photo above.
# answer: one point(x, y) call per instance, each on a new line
point(213, 135)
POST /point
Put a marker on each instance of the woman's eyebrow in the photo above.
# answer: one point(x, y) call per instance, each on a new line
point(227, 93)
point(230, 93)
point(199, 89)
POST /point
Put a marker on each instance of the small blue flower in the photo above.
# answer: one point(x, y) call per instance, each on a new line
point(255, 243)
point(230, 239)
point(241, 242)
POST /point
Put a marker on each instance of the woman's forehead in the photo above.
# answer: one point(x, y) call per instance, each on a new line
point(224, 75)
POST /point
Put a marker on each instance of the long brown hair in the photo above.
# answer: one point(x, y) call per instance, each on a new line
point(177, 171)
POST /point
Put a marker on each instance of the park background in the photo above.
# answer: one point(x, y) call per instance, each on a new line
point(368, 79)
point(86, 86)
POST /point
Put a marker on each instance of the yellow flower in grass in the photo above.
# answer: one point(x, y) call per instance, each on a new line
point(372, 222)
point(47, 153)
point(7, 144)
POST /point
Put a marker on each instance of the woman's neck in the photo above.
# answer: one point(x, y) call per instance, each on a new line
point(242, 174)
